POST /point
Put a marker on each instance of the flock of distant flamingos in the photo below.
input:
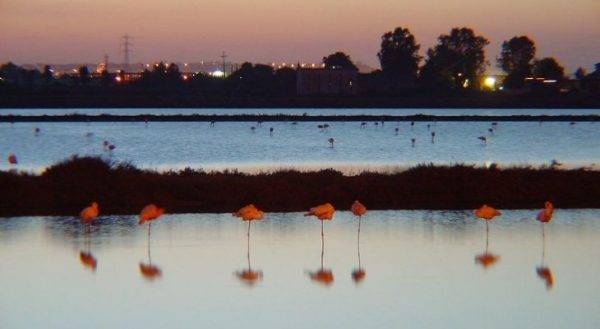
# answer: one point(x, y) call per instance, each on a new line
point(322, 212)
point(107, 146)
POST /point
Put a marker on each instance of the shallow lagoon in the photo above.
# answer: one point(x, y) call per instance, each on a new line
point(420, 271)
point(175, 145)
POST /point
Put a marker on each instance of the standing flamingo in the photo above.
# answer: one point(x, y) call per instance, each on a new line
point(543, 271)
point(331, 140)
point(248, 214)
point(87, 215)
point(486, 213)
point(322, 212)
point(358, 209)
point(396, 130)
point(271, 131)
point(432, 137)
point(413, 141)
point(12, 159)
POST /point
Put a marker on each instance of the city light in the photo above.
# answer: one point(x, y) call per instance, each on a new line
point(218, 74)
point(490, 82)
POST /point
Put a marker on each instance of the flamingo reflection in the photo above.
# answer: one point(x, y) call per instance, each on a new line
point(322, 212)
point(358, 209)
point(248, 214)
point(85, 256)
point(487, 258)
point(148, 214)
point(544, 272)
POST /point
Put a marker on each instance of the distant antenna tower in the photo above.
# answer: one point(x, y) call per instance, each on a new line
point(223, 57)
point(106, 62)
point(125, 48)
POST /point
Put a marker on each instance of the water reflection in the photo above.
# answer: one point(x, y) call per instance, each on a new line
point(322, 275)
point(85, 256)
point(358, 275)
point(248, 275)
point(148, 270)
point(486, 259)
point(435, 268)
point(544, 272)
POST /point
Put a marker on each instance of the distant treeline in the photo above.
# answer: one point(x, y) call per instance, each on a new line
point(67, 187)
point(453, 67)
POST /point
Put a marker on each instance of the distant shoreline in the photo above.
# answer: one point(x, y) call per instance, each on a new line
point(292, 118)
point(137, 99)
point(67, 187)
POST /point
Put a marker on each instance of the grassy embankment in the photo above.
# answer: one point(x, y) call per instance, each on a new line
point(67, 187)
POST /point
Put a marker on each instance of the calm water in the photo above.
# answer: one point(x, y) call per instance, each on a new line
point(420, 272)
point(234, 145)
point(400, 112)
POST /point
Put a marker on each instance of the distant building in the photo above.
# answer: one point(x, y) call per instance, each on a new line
point(591, 82)
point(325, 81)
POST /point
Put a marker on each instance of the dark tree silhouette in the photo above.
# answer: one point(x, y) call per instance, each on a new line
point(516, 59)
point(84, 74)
point(399, 55)
point(161, 75)
point(580, 73)
point(47, 74)
point(339, 60)
point(251, 79)
point(548, 68)
point(456, 60)
point(106, 78)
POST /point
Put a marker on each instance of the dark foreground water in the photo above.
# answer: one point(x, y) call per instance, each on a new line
point(422, 269)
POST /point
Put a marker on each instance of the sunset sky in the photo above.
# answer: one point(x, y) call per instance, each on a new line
point(72, 31)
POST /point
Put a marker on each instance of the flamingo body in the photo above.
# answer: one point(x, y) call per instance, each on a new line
point(89, 213)
point(486, 212)
point(249, 213)
point(150, 212)
point(358, 209)
point(12, 159)
point(545, 215)
point(322, 212)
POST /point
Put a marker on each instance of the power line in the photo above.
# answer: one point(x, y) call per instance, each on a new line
point(125, 47)
point(223, 57)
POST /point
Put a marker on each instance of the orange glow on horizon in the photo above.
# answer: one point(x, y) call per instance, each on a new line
point(38, 31)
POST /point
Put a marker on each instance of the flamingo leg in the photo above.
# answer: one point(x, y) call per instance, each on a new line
point(543, 243)
point(322, 244)
point(149, 229)
point(487, 236)
point(358, 241)
point(248, 245)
